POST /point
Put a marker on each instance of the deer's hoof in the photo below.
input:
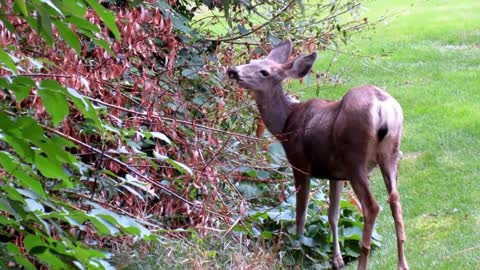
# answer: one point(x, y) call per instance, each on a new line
point(338, 262)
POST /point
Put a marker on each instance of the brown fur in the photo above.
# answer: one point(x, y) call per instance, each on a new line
point(335, 140)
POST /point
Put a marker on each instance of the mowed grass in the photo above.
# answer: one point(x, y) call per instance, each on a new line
point(428, 57)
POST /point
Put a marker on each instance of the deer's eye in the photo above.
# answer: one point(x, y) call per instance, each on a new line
point(264, 73)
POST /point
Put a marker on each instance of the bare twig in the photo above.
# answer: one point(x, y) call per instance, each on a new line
point(170, 119)
point(256, 28)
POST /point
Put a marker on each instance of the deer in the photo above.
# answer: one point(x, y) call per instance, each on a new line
point(342, 140)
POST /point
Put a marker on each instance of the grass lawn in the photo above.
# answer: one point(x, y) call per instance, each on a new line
point(428, 57)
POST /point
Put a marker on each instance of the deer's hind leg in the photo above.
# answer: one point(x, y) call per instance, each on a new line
point(388, 163)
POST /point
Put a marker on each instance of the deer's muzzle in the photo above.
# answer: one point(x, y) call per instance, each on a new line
point(233, 74)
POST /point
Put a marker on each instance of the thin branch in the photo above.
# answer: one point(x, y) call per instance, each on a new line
point(256, 28)
point(125, 165)
point(170, 119)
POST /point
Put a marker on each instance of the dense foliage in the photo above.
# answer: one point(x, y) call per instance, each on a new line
point(116, 124)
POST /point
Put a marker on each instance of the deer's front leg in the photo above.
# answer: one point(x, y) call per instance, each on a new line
point(302, 186)
point(335, 193)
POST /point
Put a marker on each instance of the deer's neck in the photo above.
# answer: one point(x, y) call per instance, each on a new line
point(274, 107)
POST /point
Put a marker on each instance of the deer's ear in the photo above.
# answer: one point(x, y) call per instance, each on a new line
point(300, 67)
point(281, 52)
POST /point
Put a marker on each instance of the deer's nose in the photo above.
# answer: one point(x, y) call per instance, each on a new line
point(232, 74)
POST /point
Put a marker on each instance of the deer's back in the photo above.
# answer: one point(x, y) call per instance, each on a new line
point(328, 138)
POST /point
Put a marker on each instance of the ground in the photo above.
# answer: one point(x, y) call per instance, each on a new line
point(427, 55)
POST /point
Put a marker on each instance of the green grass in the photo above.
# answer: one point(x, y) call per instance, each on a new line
point(428, 57)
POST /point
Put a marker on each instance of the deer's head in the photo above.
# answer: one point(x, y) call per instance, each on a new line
point(264, 74)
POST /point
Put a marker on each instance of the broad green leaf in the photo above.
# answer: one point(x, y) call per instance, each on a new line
point(76, 8)
point(160, 136)
point(281, 214)
point(307, 241)
point(52, 260)
point(277, 153)
point(29, 129)
point(139, 184)
point(51, 169)
point(179, 23)
point(126, 223)
point(176, 164)
point(85, 106)
point(102, 43)
point(68, 35)
point(104, 227)
point(21, 86)
point(48, 2)
point(33, 206)
point(266, 235)
point(7, 24)
point(22, 6)
point(28, 193)
point(249, 190)
point(180, 166)
point(14, 251)
point(13, 194)
point(133, 191)
point(54, 100)
point(14, 168)
point(44, 24)
point(353, 233)
point(7, 208)
point(105, 264)
point(7, 62)
point(80, 23)
point(226, 10)
point(20, 146)
point(107, 17)
point(30, 241)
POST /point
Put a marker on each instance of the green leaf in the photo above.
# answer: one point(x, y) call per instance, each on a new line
point(76, 8)
point(14, 251)
point(54, 100)
point(7, 208)
point(33, 206)
point(139, 184)
point(176, 164)
point(160, 136)
point(85, 106)
point(7, 62)
point(20, 146)
point(44, 24)
point(48, 2)
point(32, 241)
point(307, 241)
point(126, 223)
point(277, 154)
point(107, 17)
point(14, 168)
point(22, 6)
point(352, 233)
point(180, 23)
point(226, 9)
point(103, 226)
point(266, 235)
point(51, 169)
point(80, 23)
point(68, 36)
point(249, 190)
point(13, 194)
point(7, 24)
point(21, 86)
